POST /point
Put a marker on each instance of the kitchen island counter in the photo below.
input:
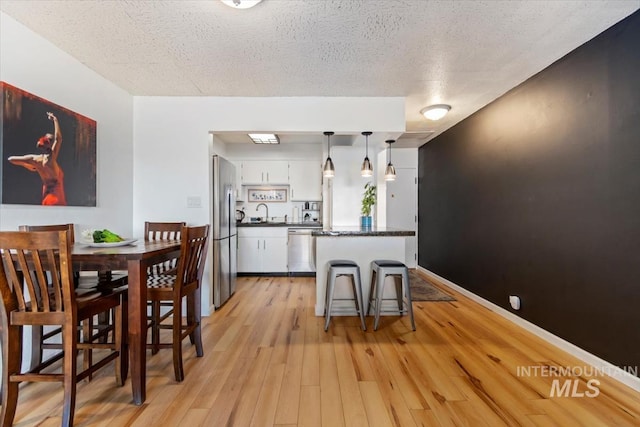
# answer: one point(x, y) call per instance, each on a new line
point(359, 231)
point(361, 245)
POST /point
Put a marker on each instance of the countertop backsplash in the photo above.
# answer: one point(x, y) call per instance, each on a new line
point(278, 210)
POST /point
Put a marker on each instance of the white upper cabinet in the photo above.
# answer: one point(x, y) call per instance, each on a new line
point(265, 172)
point(305, 180)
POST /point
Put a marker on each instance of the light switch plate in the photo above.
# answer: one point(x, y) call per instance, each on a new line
point(194, 202)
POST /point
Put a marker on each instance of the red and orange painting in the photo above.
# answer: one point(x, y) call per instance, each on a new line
point(47, 152)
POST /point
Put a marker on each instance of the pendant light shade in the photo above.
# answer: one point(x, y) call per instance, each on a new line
point(390, 171)
point(329, 170)
point(366, 170)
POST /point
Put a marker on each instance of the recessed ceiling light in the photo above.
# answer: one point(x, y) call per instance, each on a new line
point(241, 4)
point(264, 138)
point(435, 112)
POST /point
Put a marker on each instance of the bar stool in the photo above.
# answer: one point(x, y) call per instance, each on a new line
point(380, 269)
point(337, 268)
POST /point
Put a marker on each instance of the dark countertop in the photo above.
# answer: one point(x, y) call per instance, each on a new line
point(308, 224)
point(358, 231)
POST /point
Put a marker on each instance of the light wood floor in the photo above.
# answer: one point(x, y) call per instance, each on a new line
point(268, 362)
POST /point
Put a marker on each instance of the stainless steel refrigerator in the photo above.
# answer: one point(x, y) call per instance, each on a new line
point(224, 236)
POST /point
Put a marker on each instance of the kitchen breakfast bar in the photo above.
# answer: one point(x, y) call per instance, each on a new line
point(361, 245)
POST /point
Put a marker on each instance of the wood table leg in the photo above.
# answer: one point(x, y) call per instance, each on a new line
point(138, 329)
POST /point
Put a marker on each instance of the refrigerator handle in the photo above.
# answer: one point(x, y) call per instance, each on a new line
point(230, 205)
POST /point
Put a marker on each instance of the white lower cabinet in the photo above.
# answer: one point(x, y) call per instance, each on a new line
point(262, 249)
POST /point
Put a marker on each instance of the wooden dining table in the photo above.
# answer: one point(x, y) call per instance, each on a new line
point(134, 258)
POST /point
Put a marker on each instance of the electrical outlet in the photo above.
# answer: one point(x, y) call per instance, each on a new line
point(514, 301)
point(194, 202)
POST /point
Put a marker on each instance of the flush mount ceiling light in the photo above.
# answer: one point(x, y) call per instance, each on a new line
point(241, 4)
point(264, 138)
point(328, 171)
point(366, 170)
point(435, 112)
point(390, 171)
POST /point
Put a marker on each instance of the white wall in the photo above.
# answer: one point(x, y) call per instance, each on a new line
point(173, 145)
point(31, 63)
point(348, 185)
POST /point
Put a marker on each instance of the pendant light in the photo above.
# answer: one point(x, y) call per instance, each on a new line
point(329, 171)
point(366, 170)
point(390, 171)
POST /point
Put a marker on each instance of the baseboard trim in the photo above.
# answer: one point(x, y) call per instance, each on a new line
point(607, 368)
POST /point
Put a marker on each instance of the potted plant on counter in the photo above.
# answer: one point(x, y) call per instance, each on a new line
point(368, 200)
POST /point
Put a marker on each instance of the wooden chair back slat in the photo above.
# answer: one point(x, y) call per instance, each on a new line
point(9, 267)
point(36, 279)
point(56, 282)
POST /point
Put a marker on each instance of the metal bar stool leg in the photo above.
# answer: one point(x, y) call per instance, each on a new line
point(398, 282)
point(407, 286)
point(372, 289)
point(379, 292)
point(358, 296)
point(331, 282)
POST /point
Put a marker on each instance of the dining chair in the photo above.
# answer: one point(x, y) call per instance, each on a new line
point(36, 283)
point(173, 288)
point(154, 231)
point(40, 340)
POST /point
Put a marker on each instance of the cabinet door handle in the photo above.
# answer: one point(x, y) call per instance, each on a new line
point(292, 193)
point(264, 245)
point(262, 177)
point(267, 176)
point(258, 244)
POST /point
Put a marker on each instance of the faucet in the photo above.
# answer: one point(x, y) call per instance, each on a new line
point(266, 209)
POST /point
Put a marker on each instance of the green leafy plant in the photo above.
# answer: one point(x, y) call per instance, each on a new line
point(368, 199)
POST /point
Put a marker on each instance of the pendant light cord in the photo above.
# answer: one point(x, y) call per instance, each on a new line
point(366, 150)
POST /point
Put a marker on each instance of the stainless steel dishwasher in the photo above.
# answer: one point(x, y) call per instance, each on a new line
point(301, 251)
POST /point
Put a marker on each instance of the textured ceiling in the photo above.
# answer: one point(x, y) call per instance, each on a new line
point(463, 53)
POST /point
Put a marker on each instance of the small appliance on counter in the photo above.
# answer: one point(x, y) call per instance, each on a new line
point(239, 216)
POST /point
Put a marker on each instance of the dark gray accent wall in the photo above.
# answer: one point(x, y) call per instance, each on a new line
point(538, 195)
